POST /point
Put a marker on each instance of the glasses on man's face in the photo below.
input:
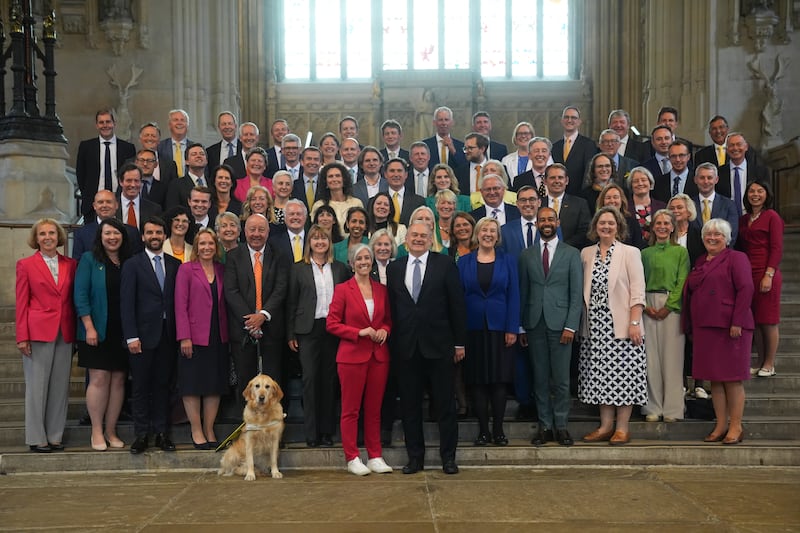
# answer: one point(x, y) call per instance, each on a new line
point(469, 148)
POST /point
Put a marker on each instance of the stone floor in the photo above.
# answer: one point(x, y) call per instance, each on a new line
point(478, 499)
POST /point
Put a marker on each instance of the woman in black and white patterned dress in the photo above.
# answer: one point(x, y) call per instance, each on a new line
point(613, 364)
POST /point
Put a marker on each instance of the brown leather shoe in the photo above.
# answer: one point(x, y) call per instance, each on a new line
point(620, 437)
point(598, 436)
point(714, 438)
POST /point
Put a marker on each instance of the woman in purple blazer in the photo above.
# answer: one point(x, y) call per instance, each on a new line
point(202, 329)
point(716, 312)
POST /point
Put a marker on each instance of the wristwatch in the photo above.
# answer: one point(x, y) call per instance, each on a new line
point(770, 274)
point(634, 322)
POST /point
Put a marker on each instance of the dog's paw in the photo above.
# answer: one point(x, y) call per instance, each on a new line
point(251, 476)
point(277, 475)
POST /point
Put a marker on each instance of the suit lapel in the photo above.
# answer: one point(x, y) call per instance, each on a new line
point(44, 271)
point(615, 267)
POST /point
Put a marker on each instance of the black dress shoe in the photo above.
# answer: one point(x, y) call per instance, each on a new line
point(450, 467)
point(564, 438)
point(312, 443)
point(483, 439)
point(326, 440)
point(413, 466)
point(202, 446)
point(500, 440)
point(212, 444)
point(165, 443)
point(56, 447)
point(542, 437)
point(41, 449)
point(139, 445)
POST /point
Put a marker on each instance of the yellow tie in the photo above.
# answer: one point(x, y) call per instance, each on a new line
point(567, 146)
point(310, 193)
point(477, 177)
point(298, 250)
point(257, 271)
point(179, 159)
point(396, 202)
point(443, 155)
point(720, 155)
point(555, 205)
point(706, 210)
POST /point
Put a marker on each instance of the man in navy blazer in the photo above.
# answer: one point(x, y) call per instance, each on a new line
point(311, 160)
point(392, 133)
point(442, 141)
point(91, 168)
point(482, 123)
point(105, 205)
point(428, 338)
point(396, 175)
point(552, 301)
point(178, 140)
point(620, 121)
point(493, 188)
point(573, 211)
point(252, 322)
point(581, 149)
point(748, 169)
point(679, 178)
point(228, 146)
point(147, 307)
point(706, 178)
point(275, 160)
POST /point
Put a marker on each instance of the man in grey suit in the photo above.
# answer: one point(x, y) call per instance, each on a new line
point(402, 196)
point(709, 204)
point(551, 277)
point(370, 182)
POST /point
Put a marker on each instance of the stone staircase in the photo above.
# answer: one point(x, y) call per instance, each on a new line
point(772, 423)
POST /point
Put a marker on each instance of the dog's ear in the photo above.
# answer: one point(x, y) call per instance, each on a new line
point(248, 392)
point(278, 391)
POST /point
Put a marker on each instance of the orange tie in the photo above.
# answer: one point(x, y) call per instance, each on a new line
point(257, 269)
point(477, 177)
point(132, 215)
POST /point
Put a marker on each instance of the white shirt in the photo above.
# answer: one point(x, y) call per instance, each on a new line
point(742, 180)
point(196, 177)
point(400, 195)
point(353, 171)
point(473, 182)
point(663, 163)
point(524, 224)
point(294, 171)
point(223, 150)
point(551, 249)
point(500, 213)
point(682, 177)
point(101, 184)
point(560, 201)
point(203, 221)
point(125, 203)
point(623, 143)
point(409, 279)
point(323, 281)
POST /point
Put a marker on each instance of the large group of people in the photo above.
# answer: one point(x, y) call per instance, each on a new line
point(633, 270)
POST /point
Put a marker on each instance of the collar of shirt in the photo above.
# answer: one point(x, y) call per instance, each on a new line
point(151, 255)
point(683, 175)
point(125, 201)
point(560, 199)
point(571, 138)
point(203, 221)
point(400, 194)
point(253, 253)
point(500, 208)
point(710, 197)
point(181, 143)
point(423, 260)
point(524, 221)
point(742, 167)
point(292, 234)
point(312, 178)
point(195, 177)
point(112, 140)
point(551, 244)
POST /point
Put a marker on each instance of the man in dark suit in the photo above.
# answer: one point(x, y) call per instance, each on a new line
point(134, 210)
point(350, 152)
point(153, 189)
point(573, 150)
point(661, 138)
point(371, 182)
point(551, 279)
point(402, 196)
point(252, 321)
point(290, 239)
point(105, 205)
point(715, 152)
point(709, 204)
point(678, 179)
point(248, 139)
point(573, 211)
point(148, 326)
point(174, 148)
point(539, 149)
point(739, 170)
point(149, 138)
point(311, 159)
point(620, 121)
point(275, 161)
point(196, 175)
point(493, 188)
point(469, 174)
point(98, 160)
point(668, 116)
point(418, 173)
point(428, 338)
point(202, 216)
point(442, 144)
point(228, 146)
point(482, 123)
point(392, 133)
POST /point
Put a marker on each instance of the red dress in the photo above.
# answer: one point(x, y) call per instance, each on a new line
point(762, 241)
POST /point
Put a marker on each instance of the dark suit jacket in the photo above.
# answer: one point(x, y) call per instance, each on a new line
point(193, 302)
point(87, 168)
point(637, 150)
point(754, 172)
point(165, 154)
point(402, 153)
point(437, 322)
point(575, 219)
point(240, 290)
point(212, 152)
point(454, 160)
point(237, 164)
point(663, 189)
point(83, 238)
point(707, 154)
point(497, 308)
point(178, 192)
point(279, 240)
point(560, 293)
point(299, 191)
point(411, 201)
point(512, 213)
point(147, 209)
point(526, 178)
point(580, 155)
point(273, 163)
point(625, 165)
point(653, 166)
point(360, 190)
point(348, 315)
point(158, 191)
point(722, 207)
point(142, 303)
point(497, 150)
point(301, 299)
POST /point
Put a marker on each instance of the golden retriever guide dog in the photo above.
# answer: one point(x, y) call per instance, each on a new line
point(263, 417)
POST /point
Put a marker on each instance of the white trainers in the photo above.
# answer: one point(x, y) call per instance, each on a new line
point(379, 466)
point(357, 467)
point(765, 373)
point(754, 371)
point(700, 392)
point(652, 418)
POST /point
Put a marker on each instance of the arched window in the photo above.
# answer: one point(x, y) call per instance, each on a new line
point(360, 39)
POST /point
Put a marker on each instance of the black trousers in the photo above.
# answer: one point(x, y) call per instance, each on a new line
point(320, 380)
point(245, 360)
point(152, 374)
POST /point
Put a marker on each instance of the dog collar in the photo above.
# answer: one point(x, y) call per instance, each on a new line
point(257, 427)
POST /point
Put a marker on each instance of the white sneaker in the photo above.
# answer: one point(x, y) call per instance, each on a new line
point(754, 371)
point(700, 392)
point(764, 373)
point(357, 467)
point(379, 466)
point(652, 418)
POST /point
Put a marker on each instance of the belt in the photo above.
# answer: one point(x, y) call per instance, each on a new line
point(661, 291)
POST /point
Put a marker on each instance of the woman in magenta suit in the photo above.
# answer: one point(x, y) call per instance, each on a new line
point(716, 313)
point(255, 164)
point(761, 238)
point(46, 326)
point(359, 316)
point(201, 322)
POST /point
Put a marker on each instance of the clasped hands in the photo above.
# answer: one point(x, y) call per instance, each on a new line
point(378, 336)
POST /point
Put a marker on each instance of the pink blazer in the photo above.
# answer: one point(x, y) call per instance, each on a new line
point(348, 315)
point(44, 308)
point(193, 304)
point(625, 285)
point(243, 185)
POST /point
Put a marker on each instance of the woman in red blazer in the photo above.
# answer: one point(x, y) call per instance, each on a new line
point(46, 329)
point(359, 316)
point(201, 322)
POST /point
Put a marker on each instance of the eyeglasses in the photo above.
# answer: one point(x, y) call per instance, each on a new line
point(468, 148)
point(531, 200)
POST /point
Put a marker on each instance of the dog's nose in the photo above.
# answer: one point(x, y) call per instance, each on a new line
point(262, 398)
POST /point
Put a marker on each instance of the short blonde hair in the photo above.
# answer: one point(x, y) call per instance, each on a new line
point(62, 234)
point(481, 223)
